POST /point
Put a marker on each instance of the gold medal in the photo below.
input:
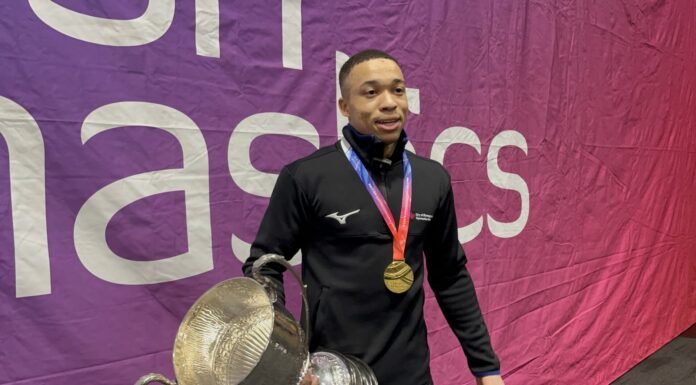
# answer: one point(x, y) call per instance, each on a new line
point(398, 277)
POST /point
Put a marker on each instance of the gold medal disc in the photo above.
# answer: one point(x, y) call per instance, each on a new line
point(398, 277)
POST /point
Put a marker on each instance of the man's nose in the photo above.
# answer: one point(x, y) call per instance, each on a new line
point(388, 102)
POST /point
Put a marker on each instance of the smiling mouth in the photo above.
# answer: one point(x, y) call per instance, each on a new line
point(388, 124)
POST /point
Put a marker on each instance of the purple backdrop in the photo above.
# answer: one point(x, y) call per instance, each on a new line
point(140, 141)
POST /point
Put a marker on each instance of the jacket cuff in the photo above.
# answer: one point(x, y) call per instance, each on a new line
point(488, 373)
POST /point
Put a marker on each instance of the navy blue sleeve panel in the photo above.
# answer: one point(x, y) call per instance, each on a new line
point(484, 374)
point(281, 229)
point(454, 289)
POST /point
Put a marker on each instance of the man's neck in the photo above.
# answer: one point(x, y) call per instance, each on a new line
point(389, 150)
point(370, 147)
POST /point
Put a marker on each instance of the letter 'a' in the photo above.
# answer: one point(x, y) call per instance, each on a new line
point(192, 178)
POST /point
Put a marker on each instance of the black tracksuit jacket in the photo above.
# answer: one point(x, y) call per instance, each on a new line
point(350, 309)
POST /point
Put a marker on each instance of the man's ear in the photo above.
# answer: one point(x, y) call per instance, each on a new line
point(343, 106)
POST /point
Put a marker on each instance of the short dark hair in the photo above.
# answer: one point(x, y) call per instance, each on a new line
point(362, 56)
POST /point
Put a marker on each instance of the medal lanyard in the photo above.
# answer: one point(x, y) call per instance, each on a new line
point(400, 234)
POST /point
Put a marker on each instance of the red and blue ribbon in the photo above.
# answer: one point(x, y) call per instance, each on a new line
point(401, 233)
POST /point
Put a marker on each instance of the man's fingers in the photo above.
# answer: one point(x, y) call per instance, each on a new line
point(310, 379)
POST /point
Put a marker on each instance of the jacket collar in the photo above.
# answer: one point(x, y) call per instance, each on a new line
point(370, 148)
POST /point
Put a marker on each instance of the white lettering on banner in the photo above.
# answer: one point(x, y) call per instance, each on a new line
point(341, 121)
point(148, 27)
point(27, 165)
point(192, 178)
point(245, 175)
point(27, 185)
point(448, 137)
point(208, 28)
point(155, 22)
point(25, 148)
point(508, 181)
point(292, 33)
point(413, 100)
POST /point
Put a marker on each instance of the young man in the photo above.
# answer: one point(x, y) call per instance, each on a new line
point(363, 212)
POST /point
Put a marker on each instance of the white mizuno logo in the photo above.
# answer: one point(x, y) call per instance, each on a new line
point(342, 218)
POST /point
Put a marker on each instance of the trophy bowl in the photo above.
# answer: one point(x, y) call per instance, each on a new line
point(236, 334)
point(234, 329)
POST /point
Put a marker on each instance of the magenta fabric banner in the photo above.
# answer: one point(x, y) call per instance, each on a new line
point(141, 140)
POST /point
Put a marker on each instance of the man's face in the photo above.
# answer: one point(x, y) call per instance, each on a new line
point(374, 99)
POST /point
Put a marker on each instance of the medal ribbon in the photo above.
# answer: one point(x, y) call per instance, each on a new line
point(400, 234)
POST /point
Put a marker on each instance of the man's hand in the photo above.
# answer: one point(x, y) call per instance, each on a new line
point(490, 380)
point(310, 379)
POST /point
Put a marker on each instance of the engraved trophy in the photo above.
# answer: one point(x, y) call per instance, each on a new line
point(236, 333)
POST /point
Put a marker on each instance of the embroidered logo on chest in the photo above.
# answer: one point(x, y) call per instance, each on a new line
point(341, 218)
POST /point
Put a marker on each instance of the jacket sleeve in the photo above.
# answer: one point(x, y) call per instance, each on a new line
point(454, 289)
point(281, 229)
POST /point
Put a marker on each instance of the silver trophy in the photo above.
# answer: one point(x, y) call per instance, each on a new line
point(236, 333)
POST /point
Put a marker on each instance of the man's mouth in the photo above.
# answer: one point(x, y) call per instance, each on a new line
point(388, 124)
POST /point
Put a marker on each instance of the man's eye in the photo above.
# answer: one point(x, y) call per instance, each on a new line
point(370, 92)
point(399, 90)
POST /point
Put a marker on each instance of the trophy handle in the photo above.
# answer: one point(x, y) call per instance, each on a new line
point(265, 281)
point(152, 377)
